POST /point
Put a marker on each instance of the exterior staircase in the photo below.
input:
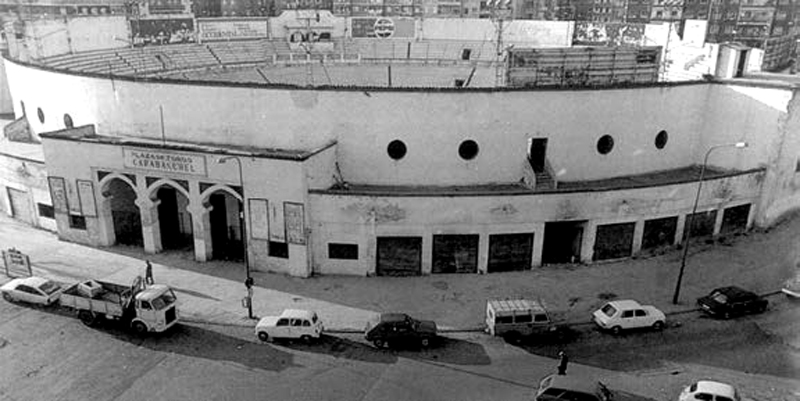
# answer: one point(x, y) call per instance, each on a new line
point(544, 180)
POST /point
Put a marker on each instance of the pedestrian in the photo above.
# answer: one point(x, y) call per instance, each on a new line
point(562, 363)
point(148, 274)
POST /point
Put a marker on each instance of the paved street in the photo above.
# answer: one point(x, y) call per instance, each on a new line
point(50, 349)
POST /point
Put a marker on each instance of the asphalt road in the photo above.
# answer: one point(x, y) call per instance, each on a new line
point(47, 354)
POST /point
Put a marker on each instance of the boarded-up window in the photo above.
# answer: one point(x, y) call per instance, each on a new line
point(455, 253)
point(702, 224)
point(508, 252)
point(399, 256)
point(613, 241)
point(343, 251)
point(659, 232)
point(734, 219)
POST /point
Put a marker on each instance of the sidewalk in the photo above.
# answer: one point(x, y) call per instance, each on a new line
point(212, 292)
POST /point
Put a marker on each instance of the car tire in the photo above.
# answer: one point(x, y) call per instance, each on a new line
point(512, 337)
point(616, 330)
point(726, 315)
point(307, 339)
point(425, 342)
point(8, 297)
point(87, 318)
point(378, 343)
point(658, 326)
point(139, 328)
point(263, 336)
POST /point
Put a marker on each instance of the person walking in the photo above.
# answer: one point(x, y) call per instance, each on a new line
point(148, 274)
point(562, 363)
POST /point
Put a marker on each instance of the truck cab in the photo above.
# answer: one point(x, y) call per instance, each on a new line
point(155, 309)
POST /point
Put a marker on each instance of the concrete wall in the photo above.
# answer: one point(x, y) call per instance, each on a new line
point(360, 219)
point(27, 176)
point(431, 124)
point(51, 37)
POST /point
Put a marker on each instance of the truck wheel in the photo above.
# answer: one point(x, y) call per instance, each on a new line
point(512, 337)
point(88, 318)
point(307, 339)
point(658, 326)
point(263, 336)
point(139, 328)
point(616, 330)
point(8, 297)
point(378, 343)
point(425, 342)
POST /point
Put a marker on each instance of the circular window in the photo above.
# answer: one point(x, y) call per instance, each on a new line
point(22, 105)
point(605, 144)
point(661, 139)
point(68, 121)
point(396, 149)
point(41, 115)
point(468, 149)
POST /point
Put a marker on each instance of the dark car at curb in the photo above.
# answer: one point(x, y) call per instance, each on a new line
point(726, 302)
point(398, 328)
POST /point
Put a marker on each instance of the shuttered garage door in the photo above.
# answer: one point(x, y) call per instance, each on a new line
point(20, 205)
point(508, 252)
point(399, 256)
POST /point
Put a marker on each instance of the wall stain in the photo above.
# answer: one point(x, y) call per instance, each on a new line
point(382, 213)
point(504, 210)
point(566, 211)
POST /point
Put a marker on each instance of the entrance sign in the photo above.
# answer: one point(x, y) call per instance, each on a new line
point(17, 263)
point(165, 162)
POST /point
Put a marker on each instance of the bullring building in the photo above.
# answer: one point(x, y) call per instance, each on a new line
point(411, 153)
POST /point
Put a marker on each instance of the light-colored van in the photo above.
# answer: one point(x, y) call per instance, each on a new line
point(513, 319)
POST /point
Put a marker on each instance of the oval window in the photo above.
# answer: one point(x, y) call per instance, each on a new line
point(41, 115)
point(468, 149)
point(661, 139)
point(68, 121)
point(396, 149)
point(605, 144)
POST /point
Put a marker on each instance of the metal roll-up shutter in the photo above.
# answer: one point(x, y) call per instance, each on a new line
point(20, 205)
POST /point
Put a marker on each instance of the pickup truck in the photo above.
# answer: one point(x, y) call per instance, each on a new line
point(139, 307)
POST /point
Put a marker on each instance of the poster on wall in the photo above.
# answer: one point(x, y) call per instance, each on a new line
point(162, 31)
point(611, 34)
point(232, 29)
point(277, 229)
point(58, 193)
point(295, 226)
point(73, 201)
point(383, 27)
point(86, 197)
point(259, 219)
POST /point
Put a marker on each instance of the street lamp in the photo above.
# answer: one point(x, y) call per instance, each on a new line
point(694, 210)
point(248, 282)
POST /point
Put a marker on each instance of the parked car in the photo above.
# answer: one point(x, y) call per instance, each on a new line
point(571, 388)
point(792, 286)
point(291, 324)
point(395, 328)
point(731, 301)
point(35, 290)
point(628, 314)
point(513, 319)
point(705, 390)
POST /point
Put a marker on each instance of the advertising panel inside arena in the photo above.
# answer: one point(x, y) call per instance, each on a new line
point(162, 31)
point(383, 27)
point(600, 34)
point(232, 29)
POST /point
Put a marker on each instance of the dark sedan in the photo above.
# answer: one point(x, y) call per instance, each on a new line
point(726, 302)
point(397, 328)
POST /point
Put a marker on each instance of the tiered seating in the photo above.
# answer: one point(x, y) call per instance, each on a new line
point(181, 57)
point(242, 52)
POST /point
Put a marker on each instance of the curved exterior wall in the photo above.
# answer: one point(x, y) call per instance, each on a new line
point(432, 124)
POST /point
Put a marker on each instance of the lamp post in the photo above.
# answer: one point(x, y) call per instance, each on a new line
point(688, 225)
point(248, 282)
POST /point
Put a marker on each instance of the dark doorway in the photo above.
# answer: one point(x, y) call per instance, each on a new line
point(226, 227)
point(562, 242)
point(124, 213)
point(510, 252)
point(537, 154)
point(734, 219)
point(659, 232)
point(455, 254)
point(742, 64)
point(173, 219)
point(399, 256)
point(613, 241)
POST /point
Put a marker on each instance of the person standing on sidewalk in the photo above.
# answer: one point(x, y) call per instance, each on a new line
point(148, 274)
point(562, 363)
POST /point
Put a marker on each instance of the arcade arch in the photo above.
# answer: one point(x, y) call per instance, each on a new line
point(174, 219)
point(118, 203)
point(225, 221)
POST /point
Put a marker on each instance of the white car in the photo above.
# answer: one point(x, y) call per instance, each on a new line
point(628, 314)
point(705, 390)
point(35, 290)
point(292, 323)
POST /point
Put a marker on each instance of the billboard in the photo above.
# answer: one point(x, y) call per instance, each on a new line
point(232, 29)
point(611, 34)
point(382, 27)
point(162, 31)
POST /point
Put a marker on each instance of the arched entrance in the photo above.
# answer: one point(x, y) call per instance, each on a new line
point(125, 215)
point(174, 220)
point(226, 219)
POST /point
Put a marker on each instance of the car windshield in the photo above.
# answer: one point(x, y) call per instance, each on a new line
point(164, 300)
point(609, 310)
point(49, 287)
point(719, 297)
